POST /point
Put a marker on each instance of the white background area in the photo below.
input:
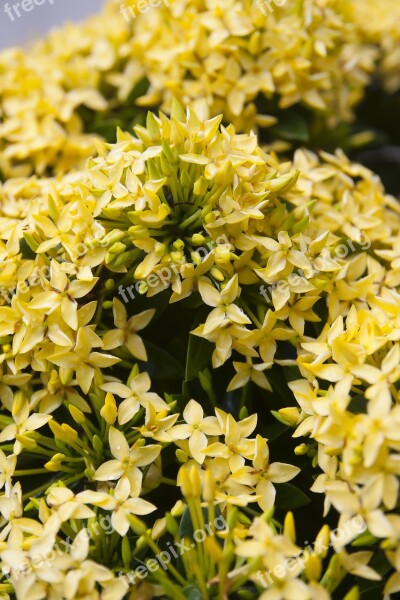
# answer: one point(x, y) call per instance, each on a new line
point(31, 25)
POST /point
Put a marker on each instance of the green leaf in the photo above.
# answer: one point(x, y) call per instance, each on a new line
point(274, 430)
point(161, 365)
point(291, 126)
point(282, 393)
point(140, 89)
point(192, 593)
point(199, 350)
point(192, 301)
point(28, 246)
point(186, 528)
point(358, 405)
point(289, 497)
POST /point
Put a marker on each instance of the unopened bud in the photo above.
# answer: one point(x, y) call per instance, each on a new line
point(109, 410)
point(290, 414)
point(353, 594)
point(322, 541)
point(26, 441)
point(313, 567)
point(301, 450)
point(63, 432)
point(208, 486)
point(77, 414)
point(289, 528)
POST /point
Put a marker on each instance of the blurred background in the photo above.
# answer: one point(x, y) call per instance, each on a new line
point(38, 19)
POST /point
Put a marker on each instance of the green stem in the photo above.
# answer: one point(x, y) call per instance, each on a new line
point(23, 472)
point(171, 568)
point(168, 481)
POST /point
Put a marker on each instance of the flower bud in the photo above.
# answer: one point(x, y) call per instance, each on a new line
point(198, 239)
point(26, 441)
point(200, 186)
point(109, 410)
point(137, 525)
point(63, 432)
point(184, 482)
point(301, 450)
point(208, 486)
point(290, 415)
point(77, 414)
point(222, 255)
point(216, 273)
point(66, 375)
point(181, 456)
point(213, 548)
point(313, 567)
point(322, 541)
point(289, 528)
point(178, 509)
point(172, 525)
point(353, 594)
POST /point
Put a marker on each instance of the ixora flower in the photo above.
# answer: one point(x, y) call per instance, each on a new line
point(377, 27)
point(196, 430)
point(232, 52)
point(316, 54)
point(120, 503)
point(126, 461)
point(135, 396)
point(23, 425)
point(126, 332)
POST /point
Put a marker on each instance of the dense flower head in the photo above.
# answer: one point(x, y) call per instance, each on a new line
point(40, 128)
point(42, 90)
point(377, 23)
point(247, 63)
point(234, 52)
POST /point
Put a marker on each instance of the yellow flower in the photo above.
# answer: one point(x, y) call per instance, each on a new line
point(7, 468)
point(234, 52)
point(67, 506)
point(266, 543)
point(225, 310)
point(62, 295)
point(246, 372)
point(126, 461)
point(82, 360)
point(120, 503)
point(22, 426)
point(364, 502)
point(158, 425)
point(380, 380)
point(236, 443)
point(267, 474)
point(196, 430)
point(126, 332)
point(135, 395)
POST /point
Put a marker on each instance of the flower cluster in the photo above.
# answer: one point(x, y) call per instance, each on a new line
point(43, 89)
point(377, 25)
point(247, 65)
